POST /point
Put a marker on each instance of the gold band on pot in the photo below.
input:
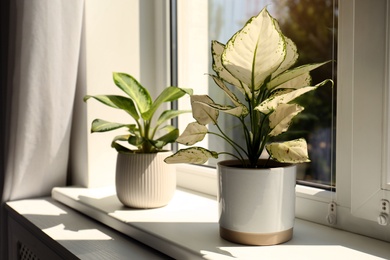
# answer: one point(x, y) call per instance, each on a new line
point(256, 239)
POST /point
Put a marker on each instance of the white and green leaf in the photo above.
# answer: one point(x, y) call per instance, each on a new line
point(280, 119)
point(294, 151)
point(195, 155)
point(293, 73)
point(296, 83)
point(239, 111)
point(270, 104)
point(193, 133)
point(256, 51)
point(217, 49)
point(201, 111)
point(227, 91)
point(290, 58)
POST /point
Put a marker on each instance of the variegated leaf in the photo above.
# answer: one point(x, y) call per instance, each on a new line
point(255, 51)
point(294, 151)
point(301, 81)
point(217, 50)
point(270, 104)
point(196, 155)
point(239, 111)
point(280, 119)
point(293, 73)
point(193, 133)
point(290, 59)
point(223, 86)
point(201, 110)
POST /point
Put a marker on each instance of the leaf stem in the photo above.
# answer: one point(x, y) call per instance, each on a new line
point(235, 156)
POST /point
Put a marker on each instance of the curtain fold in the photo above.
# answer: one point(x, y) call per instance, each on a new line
point(43, 44)
point(43, 83)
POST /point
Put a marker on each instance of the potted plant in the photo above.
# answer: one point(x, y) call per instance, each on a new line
point(256, 196)
point(142, 178)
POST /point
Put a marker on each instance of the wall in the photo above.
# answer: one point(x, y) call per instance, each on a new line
point(118, 36)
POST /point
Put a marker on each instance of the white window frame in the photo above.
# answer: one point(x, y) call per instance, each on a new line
point(358, 194)
point(363, 130)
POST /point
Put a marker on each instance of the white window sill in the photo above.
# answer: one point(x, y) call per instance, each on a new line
point(47, 229)
point(188, 228)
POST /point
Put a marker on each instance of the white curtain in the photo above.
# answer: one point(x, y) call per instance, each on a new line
point(43, 59)
point(43, 82)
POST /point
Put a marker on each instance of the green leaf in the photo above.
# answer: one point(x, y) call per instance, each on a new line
point(119, 138)
point(167, 128)
point(255, 51)
point(294, 151)
point(201, 110)
point(118, 102)
point(100, 125)
point(169, 94)
point(280, 119)
point(136, 140)
point(120, 148)
point(170, 137)
point(293, 73)
point(134, 89)
point(169, 114)
point(193, 133)
point(196, 155)
point(270, 104)
point(133, 128)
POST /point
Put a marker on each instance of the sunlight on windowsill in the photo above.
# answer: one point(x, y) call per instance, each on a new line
point(188, 226)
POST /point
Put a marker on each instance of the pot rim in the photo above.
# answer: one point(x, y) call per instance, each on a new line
point(139, 153)
point(237, 164)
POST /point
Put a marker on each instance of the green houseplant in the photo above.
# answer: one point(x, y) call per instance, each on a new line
point(258, 61)
point(142, 179)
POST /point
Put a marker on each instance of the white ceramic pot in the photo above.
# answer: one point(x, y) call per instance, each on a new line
point(256, 206)
point(145, 180)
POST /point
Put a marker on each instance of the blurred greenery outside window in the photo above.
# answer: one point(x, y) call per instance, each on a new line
point(312, 25)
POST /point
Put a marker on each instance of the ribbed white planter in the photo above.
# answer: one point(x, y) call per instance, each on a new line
point(145, 180)
point(256, 206)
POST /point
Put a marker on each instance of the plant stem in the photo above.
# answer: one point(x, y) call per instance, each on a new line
point(232, 143)
point(266, 163)
point(235, 156)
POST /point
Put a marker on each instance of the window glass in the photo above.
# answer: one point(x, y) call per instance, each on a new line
point(312, 25)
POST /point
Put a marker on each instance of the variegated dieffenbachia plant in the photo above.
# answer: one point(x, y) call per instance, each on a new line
point(258, 60)
point(142, 133)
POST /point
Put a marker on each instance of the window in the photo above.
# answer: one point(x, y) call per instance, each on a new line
point(316, 42)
